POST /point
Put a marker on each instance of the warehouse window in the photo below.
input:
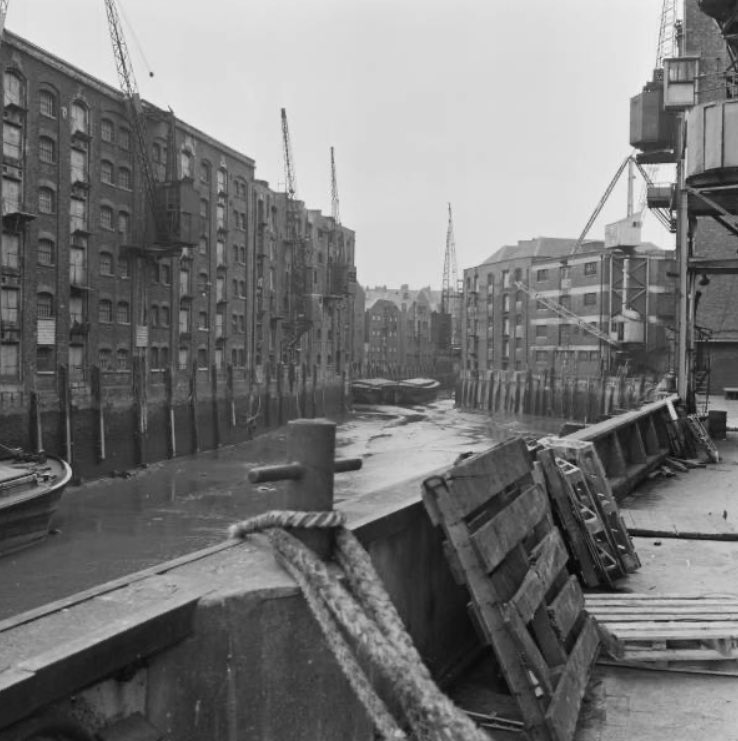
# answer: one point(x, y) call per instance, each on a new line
point(590, 299)
point(590, 268)
point(542, 275)
point(107, 130)
point(123, 313)
point(47, 103)
point(124, 139)
point(13, 89)
point(122, 359)
point(46, 200)
point(106, 263)
point(12, 141)
point(106, 172)
point(44, 305)
point(106, 217)
point(78, 117)
point(105, 311)
point(45, 254)
point(541, 330)
point(124, 178)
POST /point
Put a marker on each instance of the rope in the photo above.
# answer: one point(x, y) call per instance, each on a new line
point(368, 616)
point(285, 518)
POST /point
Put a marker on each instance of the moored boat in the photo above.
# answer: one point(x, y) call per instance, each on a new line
point(30, 489)
point(373, 391)
point(416, 390)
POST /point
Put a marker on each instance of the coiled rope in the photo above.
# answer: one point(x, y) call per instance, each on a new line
point(362, 610)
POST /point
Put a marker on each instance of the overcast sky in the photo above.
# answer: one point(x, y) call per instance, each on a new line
point(516, 112)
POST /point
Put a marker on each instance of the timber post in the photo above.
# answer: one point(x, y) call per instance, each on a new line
point(171, 428)
point(193, 408)
point(311, 451)
point(65, 403)
point(37, 432)
point(214, 404)
point(97, 396)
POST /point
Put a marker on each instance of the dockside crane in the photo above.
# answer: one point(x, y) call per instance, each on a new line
point(168, 203)
point(297, 321)
point(335, 210)
point(3, 13)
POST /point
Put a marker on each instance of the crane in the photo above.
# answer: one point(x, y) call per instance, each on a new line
point(567, 314)
point(661, 214)
point(164, 237)
point(335, 211)
point(290, 178)
point(449, 287)
point(297, 323)
point(666, 46)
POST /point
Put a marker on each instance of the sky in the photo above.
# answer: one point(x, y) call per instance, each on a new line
point(516, 113)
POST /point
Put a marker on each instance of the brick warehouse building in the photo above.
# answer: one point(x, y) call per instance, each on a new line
point(237, 327)
point(507, 324)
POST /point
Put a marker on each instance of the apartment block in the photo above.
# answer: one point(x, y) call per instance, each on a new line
point(538, 306)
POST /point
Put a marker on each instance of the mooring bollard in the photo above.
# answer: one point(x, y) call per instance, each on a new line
point(311, 450)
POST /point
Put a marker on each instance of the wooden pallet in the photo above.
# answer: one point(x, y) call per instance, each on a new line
point(584, 456)
point(501, 543)
point(575, 518)
point(660, 628)
point(702, 437)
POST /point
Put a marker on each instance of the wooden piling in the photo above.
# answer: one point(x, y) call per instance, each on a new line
point(65, 404)
point(195, 424)
point(214, 404)
point(139, 408)
point(37, 431)
point(99, 406)
point(230, 396)
point(171, 427)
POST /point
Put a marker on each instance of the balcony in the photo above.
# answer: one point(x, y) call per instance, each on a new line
point(80, 135)
point(15, 216)
point(78, 225)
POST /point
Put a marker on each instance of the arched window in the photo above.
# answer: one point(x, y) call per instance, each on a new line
point(46, 149)
point(124, 267)
point(121, 359)
point(124, 222)
point(46, 201)
point(107, 131)
point(47, 103)
point(185, 161)
point(106, 217)
point(14, 93)
point(106, 263)
point(124, 178)
point(105, 359)
point(205, 171)
point(222, 180)
point(106, 172)
point(44, 305)
point(46, 252)
point(105, 311)
point(123, 313)
point(78, 117)
point(124, 139)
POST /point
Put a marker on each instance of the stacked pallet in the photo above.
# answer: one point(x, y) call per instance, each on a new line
point(585, 508)
point(646, 628)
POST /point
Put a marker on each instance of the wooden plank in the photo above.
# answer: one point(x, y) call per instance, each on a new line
point(551, 645)
point(548, 558)
point(566, 607)
point(587, 565)
point(494, 628)
point(619, 614)
point(496, 538)
point(563, 711)
point(674, 631)
point(479, 478)
point(532, 656)
point(644, 600)
point(676, 654)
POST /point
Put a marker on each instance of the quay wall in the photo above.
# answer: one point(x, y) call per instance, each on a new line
point(101, 429)
point(221, 644)
point(581, 400)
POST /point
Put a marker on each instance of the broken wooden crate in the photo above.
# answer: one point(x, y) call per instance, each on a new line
point(501, 542)
point(647, 628)
point(594, 555)
point(584, 456)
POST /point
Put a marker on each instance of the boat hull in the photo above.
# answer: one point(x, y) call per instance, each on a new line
point(25, 513)
point(417, 391)
point(373, 391)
